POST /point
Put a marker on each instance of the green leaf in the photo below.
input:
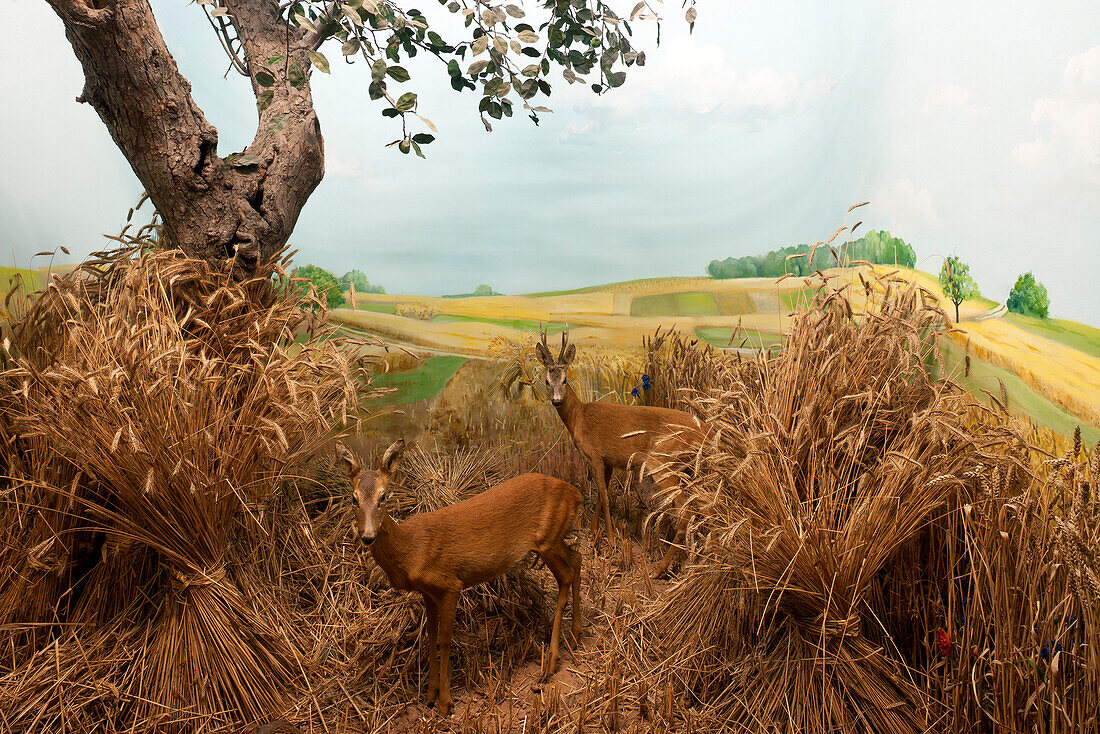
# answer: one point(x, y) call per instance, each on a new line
point(398, 73)
point(264, 100)
point(274, 60)
point(243, 160)
point(352, 15)
point(378, 70)
point(423, 138)
point(350, 46)
point(278, 122)
point(406, 101)
point(616, 79)
point(318, 59)
point(264, 79)
point(416, 149)
point(376, 90)
point(296, 75)
point(453, 68)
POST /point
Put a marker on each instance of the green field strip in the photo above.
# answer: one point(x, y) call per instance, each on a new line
point(720, 337)
point(519, 324)
point(1077, 336)
point(424, 381)
point(1021, 397)
point(692, 303)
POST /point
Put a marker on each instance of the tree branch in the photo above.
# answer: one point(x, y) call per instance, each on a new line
point(86, 14)
point(241, 208)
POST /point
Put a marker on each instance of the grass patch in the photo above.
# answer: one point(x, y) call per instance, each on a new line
point(377, 307)
point(595, 288)
point(33, 280)
point(1077, 336)
point(734, 303)
point(794, 300)
point(520, 324)
point(1021, 398)
point(424, 381)
point(697, 303)
point(720, 337)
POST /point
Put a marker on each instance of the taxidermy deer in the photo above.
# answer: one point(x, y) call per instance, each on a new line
point(441, 553)
point(614, 436)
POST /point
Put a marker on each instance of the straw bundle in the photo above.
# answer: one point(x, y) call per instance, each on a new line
point(825, 464)
point(178, 398)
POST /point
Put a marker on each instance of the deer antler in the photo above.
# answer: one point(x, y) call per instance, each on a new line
point(564, 342)
point(542, 333)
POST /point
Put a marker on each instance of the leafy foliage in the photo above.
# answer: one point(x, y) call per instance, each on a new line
point(956, 283)
point(507, 58)
point(485, 290)
point(1029, 297)
point(878, 247)
point(324, 281)
point(362, 285)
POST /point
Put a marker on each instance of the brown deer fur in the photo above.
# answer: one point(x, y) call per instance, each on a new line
point(613, 436)
point(441, 553)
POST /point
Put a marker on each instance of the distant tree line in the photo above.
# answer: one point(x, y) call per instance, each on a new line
point(362, 285)
point(332, 288)
point(877, 247)
point(1029, 297)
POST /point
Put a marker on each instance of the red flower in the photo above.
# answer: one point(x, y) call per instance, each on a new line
point(943, 642)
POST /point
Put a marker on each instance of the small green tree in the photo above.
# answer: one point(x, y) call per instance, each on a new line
point(485, 290)
point(956, 283)
point(1029, 297)
point(323, 281)
point(362, 285)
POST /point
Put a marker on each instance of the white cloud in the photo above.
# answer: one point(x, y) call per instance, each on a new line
point(573, 129)
point(905, 208)
point(948, 96)
point(337, 166)
point(691, 78)
point(1084, 68)
point(1066, 143)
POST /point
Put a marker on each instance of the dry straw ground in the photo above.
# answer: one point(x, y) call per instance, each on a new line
point(872, 552)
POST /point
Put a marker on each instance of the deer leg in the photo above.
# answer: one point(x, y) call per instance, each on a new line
point(597, 473)
point(433, 648)
point(607, 471)
point(683, 518)
point(447, 606)
point(562, 569)
point(578, 617)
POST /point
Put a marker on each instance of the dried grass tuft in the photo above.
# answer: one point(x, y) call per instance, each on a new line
point(151, 408)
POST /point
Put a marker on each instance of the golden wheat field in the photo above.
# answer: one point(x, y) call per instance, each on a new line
point(876, 551)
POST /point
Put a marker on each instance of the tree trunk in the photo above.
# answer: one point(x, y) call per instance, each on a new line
point(214, 208)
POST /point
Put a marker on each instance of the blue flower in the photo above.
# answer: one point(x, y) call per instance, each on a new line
point(645, 386)
point(1045, 652)
point(634, 392)
point(645, 378)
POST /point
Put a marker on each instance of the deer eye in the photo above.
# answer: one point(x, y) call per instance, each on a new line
point(381, 498)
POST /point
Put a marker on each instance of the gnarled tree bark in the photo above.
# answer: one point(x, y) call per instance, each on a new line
point(214, 208)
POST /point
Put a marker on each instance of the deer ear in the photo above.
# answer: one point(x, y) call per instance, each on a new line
point(345, 458)
point(543, 354)
point(569, 354)
point(393, 455)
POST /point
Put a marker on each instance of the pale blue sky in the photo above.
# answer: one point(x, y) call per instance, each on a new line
point(973, 127)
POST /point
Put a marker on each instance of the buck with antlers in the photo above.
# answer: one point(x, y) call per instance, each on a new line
point(615, 436)
point(441, 553)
